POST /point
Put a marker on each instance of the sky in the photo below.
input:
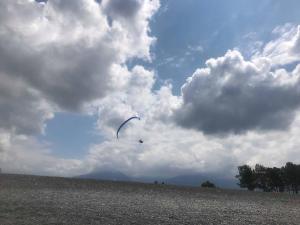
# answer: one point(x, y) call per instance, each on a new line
point(215, 83)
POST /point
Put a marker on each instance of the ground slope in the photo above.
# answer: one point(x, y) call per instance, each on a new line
point(50, 200)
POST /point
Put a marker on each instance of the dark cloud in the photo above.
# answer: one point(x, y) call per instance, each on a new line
point(66, 75)
point(21, 108)
point(51, 56)
point(123, 8)
point(232, 95)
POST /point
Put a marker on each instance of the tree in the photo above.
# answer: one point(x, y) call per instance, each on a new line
point(275, 178)
point(270, 179)
point(208, 184)
point(261, 178)
point(297, 178)
point(292, 176)
point(246, 177)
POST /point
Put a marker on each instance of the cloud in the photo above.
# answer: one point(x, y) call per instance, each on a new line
point(249, 89)
point(238, 85)
point(284, 49)
point(196, 48)
point(137, 99)
point(233, 95)
point(168, 149)
point(22, 109)
point(59, 55)
point(122, 8)
point(26, 155)
point(132, 16)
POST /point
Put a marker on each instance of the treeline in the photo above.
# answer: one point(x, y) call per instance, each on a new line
point(286, 178)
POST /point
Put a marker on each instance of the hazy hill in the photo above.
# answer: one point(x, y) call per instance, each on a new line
point(106, 175)
point(182, 180)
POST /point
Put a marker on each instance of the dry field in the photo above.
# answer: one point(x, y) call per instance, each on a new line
point(51, 200)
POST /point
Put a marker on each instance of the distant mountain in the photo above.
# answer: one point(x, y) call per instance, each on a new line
point(182, 180)
point(106, 175)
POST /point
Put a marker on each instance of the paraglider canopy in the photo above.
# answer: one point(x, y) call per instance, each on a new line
point(126, 121)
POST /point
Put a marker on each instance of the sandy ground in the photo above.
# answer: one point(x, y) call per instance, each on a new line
point(51, 200)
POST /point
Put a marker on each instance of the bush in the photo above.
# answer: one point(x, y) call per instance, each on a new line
point(208, 184)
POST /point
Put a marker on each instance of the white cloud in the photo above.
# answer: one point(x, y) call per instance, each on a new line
point(61, 56)
point(132, 17)
point(169, 149)
point(285, 49)
point(240, 96)
point(235, 95)
point(22, 154)
point(196, 48)
point(136, 98)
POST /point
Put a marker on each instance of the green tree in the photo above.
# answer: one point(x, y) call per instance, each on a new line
point(275, 179)
point(297, 178)
point(291, 173)
point(261, 178)
point(270, 179)
point(246, 177)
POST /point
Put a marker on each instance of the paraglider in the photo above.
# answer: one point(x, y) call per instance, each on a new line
point(126, 121)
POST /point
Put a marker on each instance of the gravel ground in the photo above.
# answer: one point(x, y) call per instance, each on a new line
point(52, 200)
